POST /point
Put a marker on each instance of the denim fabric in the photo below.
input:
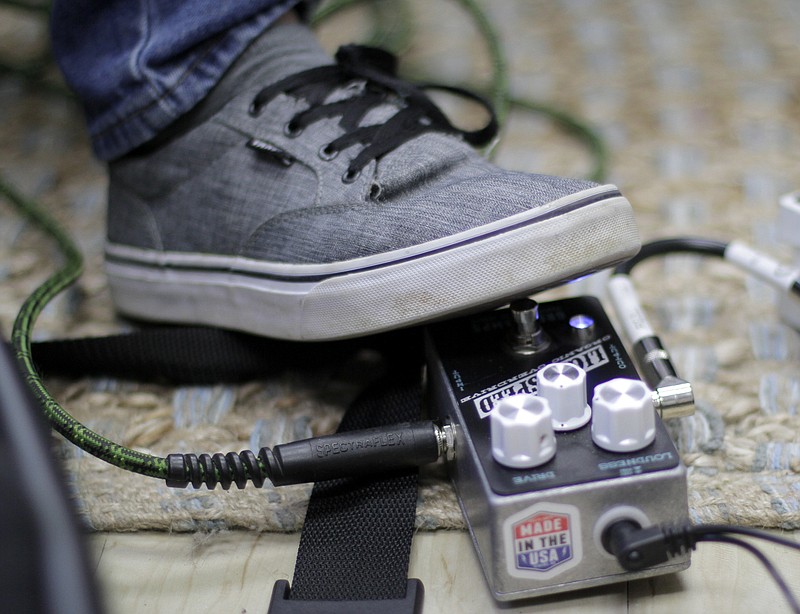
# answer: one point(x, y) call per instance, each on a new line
point(137, 65)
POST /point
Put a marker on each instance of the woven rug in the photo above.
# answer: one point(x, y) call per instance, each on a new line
point(698, 104)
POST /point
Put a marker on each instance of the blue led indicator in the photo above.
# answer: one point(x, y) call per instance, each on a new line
point(581, 322)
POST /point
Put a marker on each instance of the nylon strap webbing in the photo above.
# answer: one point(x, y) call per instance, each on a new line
point(356, 539)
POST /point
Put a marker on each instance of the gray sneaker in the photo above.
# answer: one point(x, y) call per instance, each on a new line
point(337, 201)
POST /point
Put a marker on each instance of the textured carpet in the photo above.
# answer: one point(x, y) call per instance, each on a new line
point(698, 103)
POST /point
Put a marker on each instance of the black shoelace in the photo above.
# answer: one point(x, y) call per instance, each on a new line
point(374, 72)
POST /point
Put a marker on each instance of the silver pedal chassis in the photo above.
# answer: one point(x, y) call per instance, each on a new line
point(539, 530)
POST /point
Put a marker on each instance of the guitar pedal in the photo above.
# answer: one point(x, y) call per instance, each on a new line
point(557, 438)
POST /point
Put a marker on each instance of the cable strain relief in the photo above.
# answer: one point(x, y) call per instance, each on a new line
point(679, 539)
point(222, 469)
point(177, 474)
point(272, 468)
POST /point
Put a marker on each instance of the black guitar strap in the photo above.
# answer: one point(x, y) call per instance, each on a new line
point(356, 539)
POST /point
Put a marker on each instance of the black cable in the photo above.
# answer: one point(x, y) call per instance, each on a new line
point(787, 593)
point(344, 454)
point(661, 247)
point(717, 529)
point(638, 548)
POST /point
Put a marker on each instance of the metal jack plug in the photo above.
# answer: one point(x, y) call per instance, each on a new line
point(672, 396)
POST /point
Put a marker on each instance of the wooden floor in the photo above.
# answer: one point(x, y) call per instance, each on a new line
point(234, 572)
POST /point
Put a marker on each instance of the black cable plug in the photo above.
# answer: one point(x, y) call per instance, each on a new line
point(636, 548)
point(353, 453)
point(344, 454)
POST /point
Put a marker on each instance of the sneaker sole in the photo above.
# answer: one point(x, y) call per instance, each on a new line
point(482, 267)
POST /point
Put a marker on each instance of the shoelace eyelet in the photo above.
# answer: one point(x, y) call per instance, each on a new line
point(350, 175)
point(254, 109)
point(371, 75)
point(292, 129)
point(328, 152)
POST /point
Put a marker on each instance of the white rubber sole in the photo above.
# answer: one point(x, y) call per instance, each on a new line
point(484, 266)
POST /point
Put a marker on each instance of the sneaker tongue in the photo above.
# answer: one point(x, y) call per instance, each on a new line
point(282, 50)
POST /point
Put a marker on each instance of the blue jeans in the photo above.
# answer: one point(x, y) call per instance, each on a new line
point(138, 65)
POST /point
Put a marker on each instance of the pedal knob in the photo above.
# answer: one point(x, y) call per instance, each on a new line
point(522, 431)
point(564, 386)
point(624, 416)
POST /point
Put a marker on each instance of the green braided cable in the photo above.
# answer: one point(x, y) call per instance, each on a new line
point(503, 101)
point(581, 129)
point(394, 36)
point(35, 74)
point(397, 37)
point(33, 71)
point(34, 7)
point(499, 88)
point(392, 26)
point(154, 466)
point(60, 419)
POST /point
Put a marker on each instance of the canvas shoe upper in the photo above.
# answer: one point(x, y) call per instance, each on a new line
point(307, 199)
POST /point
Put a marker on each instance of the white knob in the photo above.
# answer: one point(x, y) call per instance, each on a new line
point(624, 416)
point(522, 431)
point(564, 386)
